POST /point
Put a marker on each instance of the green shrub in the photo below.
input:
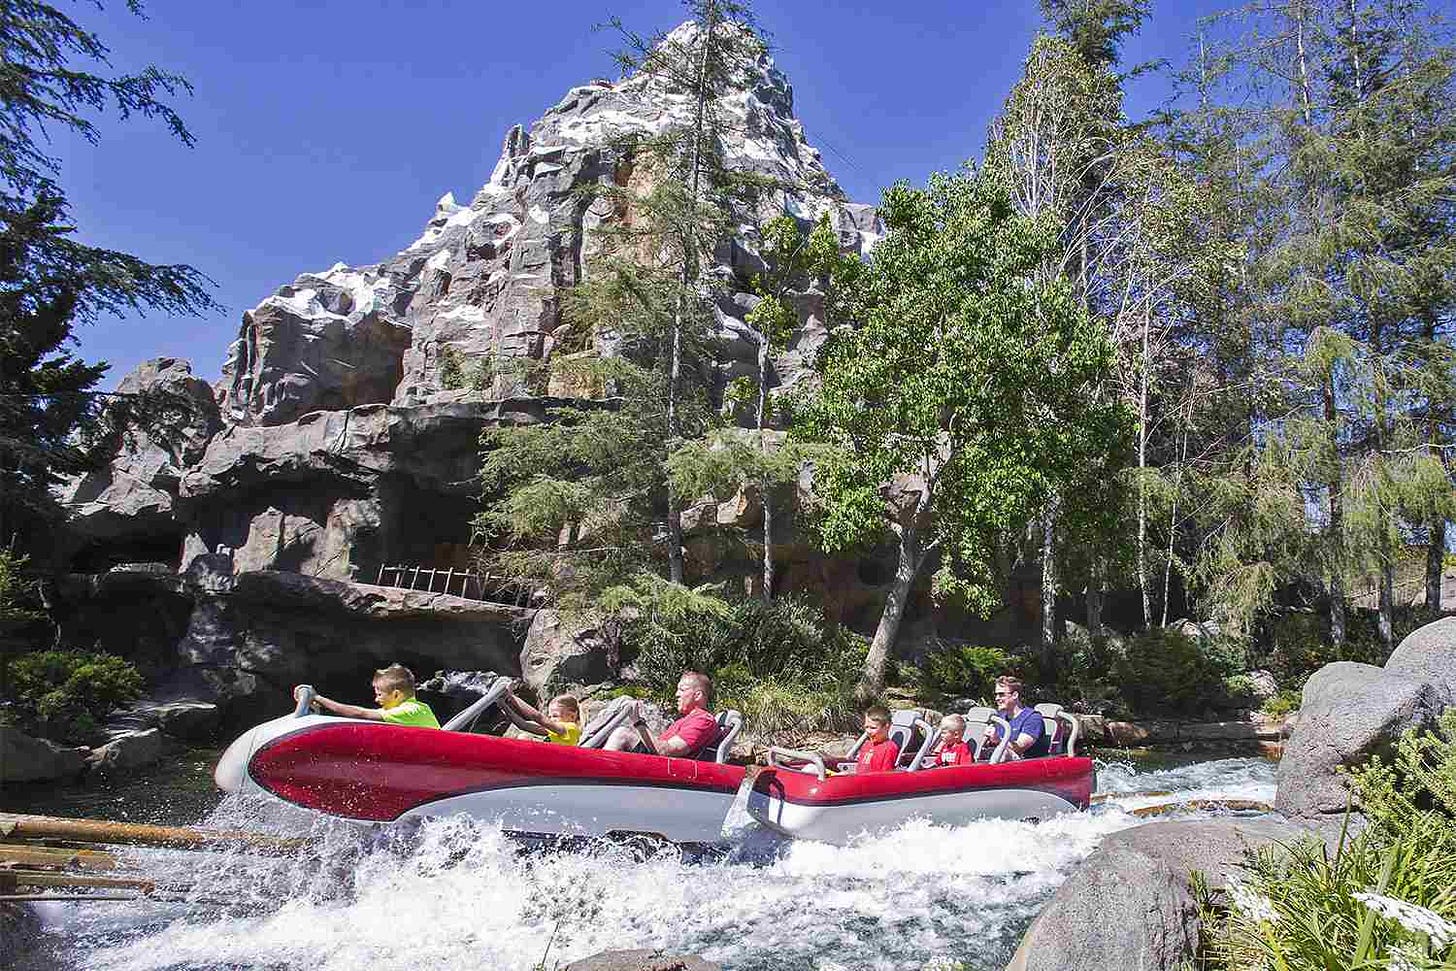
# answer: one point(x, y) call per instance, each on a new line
point(1283, 703)
point(1166, 672)
point(1385, 898)
point(1301, 645)
point(784, 652)
point(962, 670)
point(65, 694)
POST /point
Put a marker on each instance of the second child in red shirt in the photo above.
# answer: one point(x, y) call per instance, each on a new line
point(878, 754)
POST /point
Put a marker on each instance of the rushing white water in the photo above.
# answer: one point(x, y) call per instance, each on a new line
point(457, 894)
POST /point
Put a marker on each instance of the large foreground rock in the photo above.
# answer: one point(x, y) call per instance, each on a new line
point(1429, 654)
point(26, 759)
point(1130, 906)
point(642, 960)
point(1349, 712)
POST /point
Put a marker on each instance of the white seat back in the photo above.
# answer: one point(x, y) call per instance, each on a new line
point(730, 725)
point(1061, 727)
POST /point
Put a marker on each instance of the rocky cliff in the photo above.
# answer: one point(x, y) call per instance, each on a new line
point(336, 440)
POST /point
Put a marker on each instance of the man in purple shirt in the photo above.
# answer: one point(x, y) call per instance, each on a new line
point(1028, 730)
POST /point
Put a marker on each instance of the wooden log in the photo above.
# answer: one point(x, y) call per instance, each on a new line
point(1233, 805)
point(19, 826)
point(42, 878)
point(56, 856)
point(1104, 796)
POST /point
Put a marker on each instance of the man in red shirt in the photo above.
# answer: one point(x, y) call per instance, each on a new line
point(684, 738)
point(878, 754)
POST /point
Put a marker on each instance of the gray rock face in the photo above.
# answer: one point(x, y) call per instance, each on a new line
point(1129, 905)
point(136, 493)
point(124, 755)
point(1349, 712)
point(267, 631)
point(328, 341)
point(337, 490)
point(556, 655)
point(1429, 654)
point(26, 759)
point(642, 960)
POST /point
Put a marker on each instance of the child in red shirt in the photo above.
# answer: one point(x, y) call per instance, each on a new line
point(952, 748)
point(878, 754)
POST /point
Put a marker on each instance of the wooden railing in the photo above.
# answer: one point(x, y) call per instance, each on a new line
point(466, 584)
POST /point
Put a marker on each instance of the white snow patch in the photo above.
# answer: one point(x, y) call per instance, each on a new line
point(438, 261)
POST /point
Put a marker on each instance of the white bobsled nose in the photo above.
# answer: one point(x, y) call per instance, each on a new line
point(231, 772)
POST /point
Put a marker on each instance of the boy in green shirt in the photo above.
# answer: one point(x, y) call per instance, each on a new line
point(394, 692)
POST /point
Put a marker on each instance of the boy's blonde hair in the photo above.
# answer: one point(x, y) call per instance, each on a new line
point(396, 677)
point(954, 721)
point(879, 713)
point(569, 702)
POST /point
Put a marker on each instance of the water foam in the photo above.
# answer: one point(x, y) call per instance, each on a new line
point(458, 894)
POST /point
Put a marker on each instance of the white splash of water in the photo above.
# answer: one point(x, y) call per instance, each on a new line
point(457, 894)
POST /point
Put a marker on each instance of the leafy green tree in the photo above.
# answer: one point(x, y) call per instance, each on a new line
point(48, 279)
point(962, 396)
point(1096, 28)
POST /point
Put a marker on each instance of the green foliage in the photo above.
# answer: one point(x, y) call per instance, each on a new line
point(1286, 701)
point(17, 594)
point(1166, 672)
point(779, 662)
point(1300, 908)
point(64, 694)
point(963, 670)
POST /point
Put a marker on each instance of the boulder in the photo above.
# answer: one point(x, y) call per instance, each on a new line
point(124, 755)
point(134, 494)
point(1429, 654)
point(1130, 906)
point(557, 654)
point(190, 720)
point(1349, 712)
point(27, 759)
point(642, 960)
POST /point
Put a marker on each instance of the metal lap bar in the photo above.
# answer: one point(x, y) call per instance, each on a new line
point(813, 758)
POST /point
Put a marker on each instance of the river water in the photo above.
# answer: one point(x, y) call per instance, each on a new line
point(456, 894)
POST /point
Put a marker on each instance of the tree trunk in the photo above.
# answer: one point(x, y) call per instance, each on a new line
point(1336, 533)
point(907, 565)
point(767, 487)
point(1095, 597)
point(1435, 565)
point(1142, 513)
point(1049, 586)
point(1386, 621)
point(687, 278)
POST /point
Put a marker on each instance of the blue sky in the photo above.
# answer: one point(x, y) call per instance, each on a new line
point(326, 129)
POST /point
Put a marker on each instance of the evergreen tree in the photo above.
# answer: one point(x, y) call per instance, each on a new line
point(588, 500)
point(48, 279)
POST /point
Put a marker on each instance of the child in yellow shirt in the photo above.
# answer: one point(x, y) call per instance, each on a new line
point(561, 724)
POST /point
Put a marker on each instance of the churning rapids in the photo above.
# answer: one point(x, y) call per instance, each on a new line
point(456, 894)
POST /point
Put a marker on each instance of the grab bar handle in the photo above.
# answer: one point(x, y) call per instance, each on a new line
point(813, 758)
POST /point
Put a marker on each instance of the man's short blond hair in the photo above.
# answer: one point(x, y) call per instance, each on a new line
point(396, 677)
